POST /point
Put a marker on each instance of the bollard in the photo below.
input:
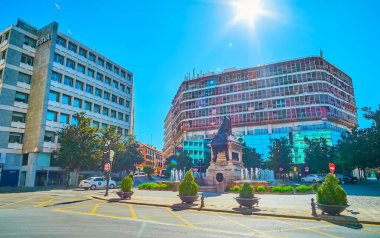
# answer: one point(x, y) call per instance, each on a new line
point(313, 209)
point(202, 201)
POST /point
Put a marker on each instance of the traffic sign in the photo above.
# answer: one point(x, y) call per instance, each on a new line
point(332, 167)
point(107, 167)
point(306, 169)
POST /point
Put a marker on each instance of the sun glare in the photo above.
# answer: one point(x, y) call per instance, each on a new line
point(248, 10)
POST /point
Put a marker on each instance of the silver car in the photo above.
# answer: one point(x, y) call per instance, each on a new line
point(312, 178)
point(95, 183)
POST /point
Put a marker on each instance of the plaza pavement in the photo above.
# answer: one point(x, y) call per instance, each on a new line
point(364, 209)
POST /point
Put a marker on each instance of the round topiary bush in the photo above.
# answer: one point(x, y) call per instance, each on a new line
point(188, 187)
point(126, 184)
point(235, 189)
point(330, 193)
point(246, 191)
point(260, 189)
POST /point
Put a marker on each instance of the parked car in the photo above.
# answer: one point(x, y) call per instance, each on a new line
point(139, 173)
point(312, 178)
point(95, 183)
point(346, 179)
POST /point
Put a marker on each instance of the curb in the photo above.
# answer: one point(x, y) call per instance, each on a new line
point(239, 212)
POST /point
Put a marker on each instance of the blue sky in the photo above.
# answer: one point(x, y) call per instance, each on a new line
point(160, 41)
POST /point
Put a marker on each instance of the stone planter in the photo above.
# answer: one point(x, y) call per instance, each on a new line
point(331, 209)
point(247, 202)
point(124, 195)
point(188, 199)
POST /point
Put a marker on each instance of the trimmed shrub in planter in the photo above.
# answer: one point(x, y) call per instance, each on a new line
point(247, 196)
point(331, 198)
point(235, 189)
point(304, 189)
point(188, 189)
point(247, 191)
point(260, 189)
point(125, 188)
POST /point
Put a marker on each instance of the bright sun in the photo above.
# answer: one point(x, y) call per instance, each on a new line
point(247, 10)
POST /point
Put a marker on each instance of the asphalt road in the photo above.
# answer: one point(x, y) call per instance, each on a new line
point(61, 213)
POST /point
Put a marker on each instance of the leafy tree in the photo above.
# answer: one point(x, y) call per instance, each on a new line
point(179, 162)
point(112, 140)
point(318, 154)
point(80, 146)
point(251, 159)
point(280, 155)
point(128, 158)
point(148, 170)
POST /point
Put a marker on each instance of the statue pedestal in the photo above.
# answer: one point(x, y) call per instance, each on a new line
point(229, 168)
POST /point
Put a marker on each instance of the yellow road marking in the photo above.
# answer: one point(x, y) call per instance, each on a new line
point(20, 201)
point(242, 225)
point(211, 222)
point(93, 210)
point(295, 229)
point(183, 220)
point(132, 211)
point(373, 231)
point(44, 203)
point(308, 229)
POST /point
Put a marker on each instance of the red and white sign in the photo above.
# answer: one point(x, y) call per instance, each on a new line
point(332, 167)
point(194, 169)
point(107, 167)
point(306, 169)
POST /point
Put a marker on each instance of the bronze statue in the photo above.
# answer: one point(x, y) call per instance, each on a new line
point(220, 141)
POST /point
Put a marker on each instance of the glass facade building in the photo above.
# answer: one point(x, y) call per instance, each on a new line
point(307, 97)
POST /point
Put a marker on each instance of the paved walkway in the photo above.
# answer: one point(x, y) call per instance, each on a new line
point(362, 209)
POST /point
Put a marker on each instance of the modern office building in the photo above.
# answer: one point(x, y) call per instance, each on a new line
point(307, 97)
point(45, 78)
point(152, 156)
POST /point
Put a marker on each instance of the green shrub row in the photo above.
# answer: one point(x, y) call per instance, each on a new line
point(236, 189)
point(282, 189)
point(153, 186)
point(304, 189)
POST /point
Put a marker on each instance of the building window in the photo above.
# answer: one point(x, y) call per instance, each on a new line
point(58, 59)
point(100, 62)
point(98, 92)
point(120, 116)
point(122, 74)
point(56, 77)
point(19, 117)
point(49, 136)
point(114, 98)
point(105, 111)
point(74, 121)
point(51, 116)
point(21, 97)
point(115, 84)
point(66, 99)
point(64, 118)
point(113, 113)
point(60, 41)
point(69, 81)
point(95, 124)
point(129, 77)
point(89, 89)
point(24, 78)
point(121, 101)
point(26, 59)
point(87, 106)
point(99, 77)
point(81, 69)
point(54, 96)
point(106, 95)
point(91, 73)
point(91, 57)
point(122, 87)
point(127, 104)
point(116, 70)
point(29, 41)
point(127, 118)
point(70, 64)
point(97, 108)
point(109, 66)
point(3, 54)
point(15, 137)
point(82, 52)
point(72, 47)
point(128, 90)
point(79, 85)
point(104, 126)
point(107, 80)
point(77, 103)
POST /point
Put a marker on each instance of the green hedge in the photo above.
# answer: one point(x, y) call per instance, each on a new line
point(304, 189)
point(235, 189)
point(282, 189)
point(153, 186)
point(260, 189)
